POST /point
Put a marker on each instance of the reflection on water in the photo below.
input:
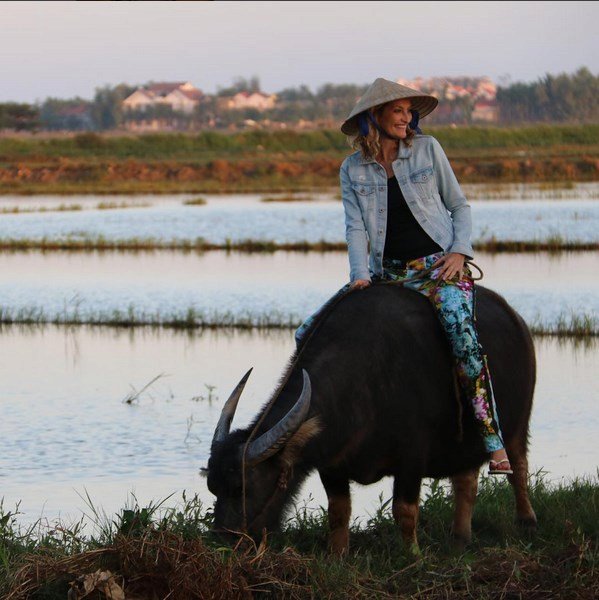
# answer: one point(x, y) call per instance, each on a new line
point(283, 286)
point(241, 217)
point(66, 429)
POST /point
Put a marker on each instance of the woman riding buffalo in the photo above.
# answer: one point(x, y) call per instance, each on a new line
point(406, 218)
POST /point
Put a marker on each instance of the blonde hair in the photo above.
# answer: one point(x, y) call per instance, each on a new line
point(370, 144)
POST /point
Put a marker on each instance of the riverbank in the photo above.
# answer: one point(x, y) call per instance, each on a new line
point(151, 551)
point(263, 162)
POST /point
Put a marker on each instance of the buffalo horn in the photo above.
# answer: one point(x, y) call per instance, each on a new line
point(274, 439)
point(228, 412)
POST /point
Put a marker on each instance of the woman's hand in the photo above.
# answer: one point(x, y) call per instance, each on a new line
point(451, 264)
point(359, 284)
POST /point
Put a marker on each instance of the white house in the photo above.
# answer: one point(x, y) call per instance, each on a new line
point(257, 100)
point(181, 96)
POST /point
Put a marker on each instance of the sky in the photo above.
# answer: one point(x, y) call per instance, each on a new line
point(68, 49)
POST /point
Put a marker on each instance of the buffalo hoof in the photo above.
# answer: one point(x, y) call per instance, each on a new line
point(414, 550)
point(527, 523)
point(460, 541)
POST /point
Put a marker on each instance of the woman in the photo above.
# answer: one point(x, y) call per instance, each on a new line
point(406, 216)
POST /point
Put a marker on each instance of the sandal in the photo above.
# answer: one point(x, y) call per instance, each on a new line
point(494, 468)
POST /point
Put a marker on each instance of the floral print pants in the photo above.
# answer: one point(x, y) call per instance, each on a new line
point(453, 301)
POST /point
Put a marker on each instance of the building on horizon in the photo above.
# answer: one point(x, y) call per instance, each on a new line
point(181, 96)
point(244, 100)
point(478, 95)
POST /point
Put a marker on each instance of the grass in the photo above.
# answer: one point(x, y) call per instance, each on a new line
point(211, 144)
point(567, 325)
point(100, 243)
point(156, 551)
point(118, 205)
point(550, 190)
point(286, 198)
point(199, 201)
point(269, 162)
point(16, 210)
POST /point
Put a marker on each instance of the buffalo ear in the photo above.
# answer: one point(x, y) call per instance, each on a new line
point(293, 448)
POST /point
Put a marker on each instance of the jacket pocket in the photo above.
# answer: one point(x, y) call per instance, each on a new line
point(366, 194)
point(363, 189)
point(423, 181)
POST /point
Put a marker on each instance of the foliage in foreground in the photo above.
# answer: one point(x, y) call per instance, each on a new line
point(154, 553)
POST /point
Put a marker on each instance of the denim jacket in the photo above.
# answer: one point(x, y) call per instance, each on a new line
point(431, 191)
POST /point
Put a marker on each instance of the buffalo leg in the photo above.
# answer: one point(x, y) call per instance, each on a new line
point(465, 487)
point(339, 513)
point(405, 508)
point(519, 480)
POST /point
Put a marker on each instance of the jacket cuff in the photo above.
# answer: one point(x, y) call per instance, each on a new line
point(362, 275)
point(461, 248)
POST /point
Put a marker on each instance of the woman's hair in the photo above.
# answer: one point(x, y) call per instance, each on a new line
point(370, 144)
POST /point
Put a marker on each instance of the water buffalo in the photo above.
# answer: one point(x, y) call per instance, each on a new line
point(371, 392)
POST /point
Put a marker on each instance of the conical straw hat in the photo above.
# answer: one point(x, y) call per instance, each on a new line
point(383, 90)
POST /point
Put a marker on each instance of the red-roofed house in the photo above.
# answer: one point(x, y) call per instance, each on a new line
point(181, 96)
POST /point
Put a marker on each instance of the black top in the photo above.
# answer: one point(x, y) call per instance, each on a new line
point(405, 237)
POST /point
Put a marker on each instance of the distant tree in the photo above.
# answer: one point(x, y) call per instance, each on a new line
point(73, 114)
point(518, 103)
point(19, 116)
point(553, 98)
point(241, 84)
point(337, 100)
point(301, 93)
point(107, 109)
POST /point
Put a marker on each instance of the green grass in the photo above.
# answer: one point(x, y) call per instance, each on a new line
point(162, 550)
point(273, 162)
point(211, 144)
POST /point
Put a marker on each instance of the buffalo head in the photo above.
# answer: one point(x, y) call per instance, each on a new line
point(269, 464)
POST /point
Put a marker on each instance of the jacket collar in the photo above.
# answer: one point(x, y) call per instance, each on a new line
point(404, 152)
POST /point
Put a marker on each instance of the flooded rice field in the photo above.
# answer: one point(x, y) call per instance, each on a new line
point(237, 218)
point(106, 412)
point(278, 289)
point(67, 428)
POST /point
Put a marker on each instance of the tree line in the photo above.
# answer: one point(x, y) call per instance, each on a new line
point(562, 98)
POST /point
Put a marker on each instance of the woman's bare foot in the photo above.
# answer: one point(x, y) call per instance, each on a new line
point(500, 463)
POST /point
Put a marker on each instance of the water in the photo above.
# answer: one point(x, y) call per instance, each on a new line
point(237, 218)
point(66, 431)
point(283, 287)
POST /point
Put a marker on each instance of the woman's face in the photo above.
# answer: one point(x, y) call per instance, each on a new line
point(395, 117)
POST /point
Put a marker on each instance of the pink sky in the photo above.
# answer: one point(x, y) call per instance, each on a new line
point(65, 49)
